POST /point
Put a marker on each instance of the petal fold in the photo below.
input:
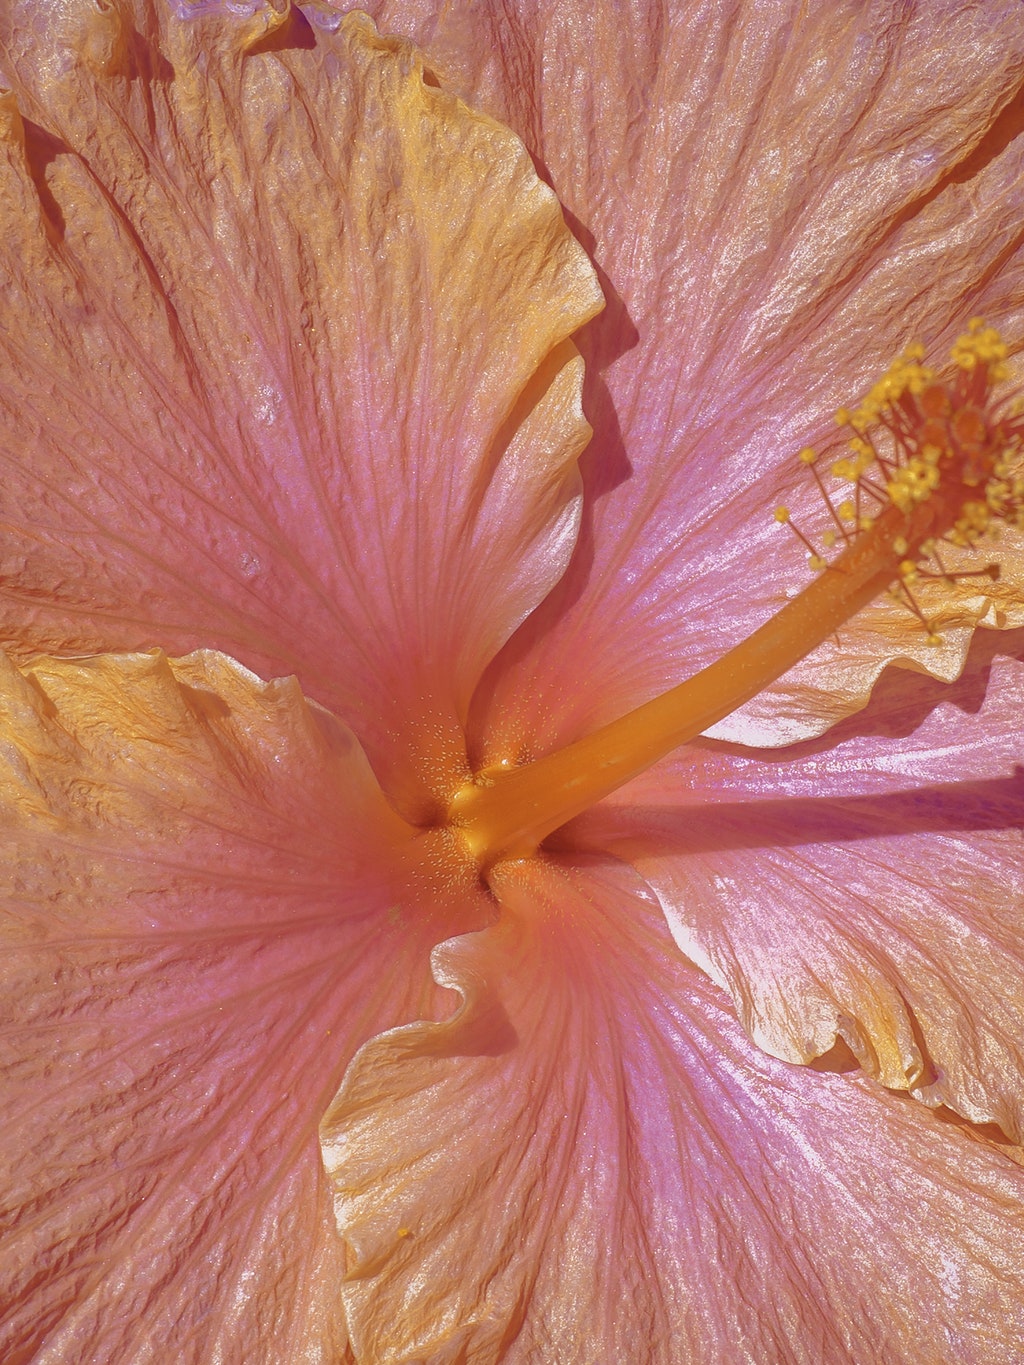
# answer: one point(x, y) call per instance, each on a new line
point(206, 906)
point(864, 893)
point(286, 361)
point(781, 197)
point(589, 1161)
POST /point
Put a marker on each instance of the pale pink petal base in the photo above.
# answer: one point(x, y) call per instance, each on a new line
point(205, 908)
point(286, 358)
point(867, 891)
point(590, 1162)
point(781, 197)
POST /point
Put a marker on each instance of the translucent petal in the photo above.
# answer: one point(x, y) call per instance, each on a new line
point(780, 197)
point(285, 360)
point(866, 892)
point(589, 1161)
point(206, 906)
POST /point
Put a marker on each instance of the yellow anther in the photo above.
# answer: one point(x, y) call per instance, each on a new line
point(912, 484)
point(918, 445)
point(916, 378)
point(867, 413)
point(981, 345)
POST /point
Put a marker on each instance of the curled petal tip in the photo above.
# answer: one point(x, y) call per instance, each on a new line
point(266, 19)
point(324, 15)
point(251, 23)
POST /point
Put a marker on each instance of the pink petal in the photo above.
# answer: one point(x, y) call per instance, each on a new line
point(782, 196)
point(286, 360)
point(207, 907)
point(867, 892)
point(589, 1161)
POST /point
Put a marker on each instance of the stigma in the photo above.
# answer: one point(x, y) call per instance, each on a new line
point(929, 461)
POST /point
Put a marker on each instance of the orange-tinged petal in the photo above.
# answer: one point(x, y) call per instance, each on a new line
point(837, 679)
point(867, 892)
point(285, 356)
point(782, 197)
point(590, 1162)
point(206, 906)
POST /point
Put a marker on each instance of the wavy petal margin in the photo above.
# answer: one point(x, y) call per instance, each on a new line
point(865, 893)
point(206, 907)
point(589, 1161)
point(780, 198)
point(286, 361)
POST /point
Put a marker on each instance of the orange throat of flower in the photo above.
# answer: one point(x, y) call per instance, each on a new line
point(931, 462)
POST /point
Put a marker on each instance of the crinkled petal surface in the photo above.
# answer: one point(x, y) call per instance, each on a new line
point(782, 196)
point(867, 891)
point(284, 338)
point(590, 1162)
point(206, 906)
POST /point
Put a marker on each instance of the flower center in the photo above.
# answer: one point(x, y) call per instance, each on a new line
point(930, 461)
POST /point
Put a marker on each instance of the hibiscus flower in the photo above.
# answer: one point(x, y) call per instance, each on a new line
point(294, 553)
